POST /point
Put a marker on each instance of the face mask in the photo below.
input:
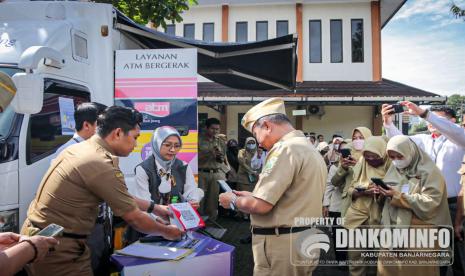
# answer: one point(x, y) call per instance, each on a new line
point(358, 144)
point(251, 146)
point(336, 147)
point(401, 164)
point(375, 163)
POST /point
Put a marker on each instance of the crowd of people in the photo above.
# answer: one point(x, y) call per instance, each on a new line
point(278, 174)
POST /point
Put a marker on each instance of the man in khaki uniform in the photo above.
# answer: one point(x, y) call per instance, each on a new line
point(212, 161)
point(290, 186)
point(78, 181)
point(7, 91)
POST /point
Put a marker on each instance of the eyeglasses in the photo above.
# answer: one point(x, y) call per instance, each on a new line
point(170, 146)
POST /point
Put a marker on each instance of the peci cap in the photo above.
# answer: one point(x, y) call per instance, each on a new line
point(267, 107)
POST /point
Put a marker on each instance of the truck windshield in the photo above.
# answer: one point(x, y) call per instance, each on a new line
point(6, 117)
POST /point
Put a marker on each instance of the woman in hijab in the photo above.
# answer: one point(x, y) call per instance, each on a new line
point(344, 174)
point(162, 178)
point(246, 175)
point(417, 196)
point(362, 195)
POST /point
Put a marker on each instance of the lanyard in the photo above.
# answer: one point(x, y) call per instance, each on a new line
point(438, 149)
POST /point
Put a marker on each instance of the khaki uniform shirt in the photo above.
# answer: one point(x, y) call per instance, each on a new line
point(293, 181)
point(80, 178)
point(207, 147)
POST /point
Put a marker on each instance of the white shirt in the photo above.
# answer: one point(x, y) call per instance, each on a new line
point(76, 139)
point(141, 187)
point(333, 195)
point(446, 151)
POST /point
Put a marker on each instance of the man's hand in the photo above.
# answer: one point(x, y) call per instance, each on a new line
point(8, 239)
point(325, 211)
point(242, 193)
point(386, 110)
point(162, 211)
point(172, 233)
point(225, 199)
point(413, 109)
point(348, 162)
point(43, 244)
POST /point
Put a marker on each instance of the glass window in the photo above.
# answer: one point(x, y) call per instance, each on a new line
point(241, 32)
point(170, 29)
point(45, 133)
point(336, 40)
point(357, 40)
point(282, 28)
point(208, 32)
point(315, 41)
point(262, 30)
point(189, 31)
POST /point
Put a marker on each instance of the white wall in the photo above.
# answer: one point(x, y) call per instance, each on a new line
point(345, 71)
point(325, 71)
point(339, 120)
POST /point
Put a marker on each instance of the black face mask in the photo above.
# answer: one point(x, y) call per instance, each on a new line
point(375, 163)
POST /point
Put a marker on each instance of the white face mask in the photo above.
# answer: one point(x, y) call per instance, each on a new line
point(336, 147)
point(401, 164)
point(251, 146)
point(358, 144)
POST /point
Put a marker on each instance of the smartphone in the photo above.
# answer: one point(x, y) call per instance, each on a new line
point(397, 108)
point(360, 189)
point(225, 187)
point(345, 153)
point(380, 182)
point(52, 230)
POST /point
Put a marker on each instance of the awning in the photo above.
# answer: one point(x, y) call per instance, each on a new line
point(322, 92)
point(261, 65)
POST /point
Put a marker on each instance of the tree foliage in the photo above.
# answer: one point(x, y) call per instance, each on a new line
point(457, 11)
point(155, 11)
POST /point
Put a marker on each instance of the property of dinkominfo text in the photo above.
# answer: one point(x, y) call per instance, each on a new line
point(394, 238)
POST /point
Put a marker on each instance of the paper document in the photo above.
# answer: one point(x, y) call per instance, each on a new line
point(154, 252)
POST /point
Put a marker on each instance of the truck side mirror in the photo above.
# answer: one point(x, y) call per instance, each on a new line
point(30, 93)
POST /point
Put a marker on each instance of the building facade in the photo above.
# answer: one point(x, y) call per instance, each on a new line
point(339, 78)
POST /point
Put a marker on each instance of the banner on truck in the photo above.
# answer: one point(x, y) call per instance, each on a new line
point(162, 85)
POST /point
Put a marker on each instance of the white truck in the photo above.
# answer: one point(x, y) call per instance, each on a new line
point(66, 49)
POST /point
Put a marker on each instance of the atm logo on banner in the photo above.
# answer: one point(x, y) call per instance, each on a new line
point(158, 109)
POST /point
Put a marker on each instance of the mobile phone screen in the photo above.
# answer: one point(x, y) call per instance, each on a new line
point(51, 231)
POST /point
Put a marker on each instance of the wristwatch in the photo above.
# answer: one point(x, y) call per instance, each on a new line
point(424, 114)
point(151, 207)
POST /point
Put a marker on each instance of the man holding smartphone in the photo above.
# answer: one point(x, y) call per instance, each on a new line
point(82, 177)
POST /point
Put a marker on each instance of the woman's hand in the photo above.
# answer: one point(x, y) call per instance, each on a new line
point(388, 192)
point(195, 204)
point(43, 245)
point(348, 162)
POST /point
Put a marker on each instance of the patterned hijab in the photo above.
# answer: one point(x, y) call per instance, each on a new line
point(159, 136)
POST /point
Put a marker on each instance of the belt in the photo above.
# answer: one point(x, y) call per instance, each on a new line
point(209, 170)
point(278, 230)
point(452, 200)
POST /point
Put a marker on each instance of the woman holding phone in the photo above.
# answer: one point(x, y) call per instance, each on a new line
point(417, 197)
point(362, 195)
